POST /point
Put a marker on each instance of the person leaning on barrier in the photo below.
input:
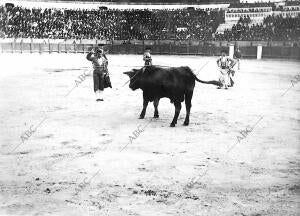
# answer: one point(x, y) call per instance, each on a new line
point(237, 56)
point(100, 68)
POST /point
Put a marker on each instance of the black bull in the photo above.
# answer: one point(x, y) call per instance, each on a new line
point(175, 83)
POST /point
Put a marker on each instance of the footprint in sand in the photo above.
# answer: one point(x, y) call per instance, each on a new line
point(103, 145)
point(84, 153)
point(23, 152)
point(106, 141)
point(103, 134)
point(67, 142)
point(46, 136)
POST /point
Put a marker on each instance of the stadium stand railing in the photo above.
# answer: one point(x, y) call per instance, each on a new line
point(274, 49)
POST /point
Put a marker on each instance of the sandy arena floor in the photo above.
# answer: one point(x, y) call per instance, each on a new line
point(77, 158)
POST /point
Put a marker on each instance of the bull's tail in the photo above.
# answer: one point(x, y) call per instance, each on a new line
point(213, 82)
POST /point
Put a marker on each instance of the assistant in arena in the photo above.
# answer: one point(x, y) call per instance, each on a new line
point(147, 57)
point(99, 62)
point(225, 63)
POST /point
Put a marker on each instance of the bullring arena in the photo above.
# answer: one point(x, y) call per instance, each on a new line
point(62, 153)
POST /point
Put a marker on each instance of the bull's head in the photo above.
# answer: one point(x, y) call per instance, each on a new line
point(135, 78)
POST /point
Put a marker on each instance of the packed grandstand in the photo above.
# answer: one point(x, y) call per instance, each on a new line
point(243, 21)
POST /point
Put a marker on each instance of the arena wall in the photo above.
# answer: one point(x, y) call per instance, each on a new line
point(273, 49)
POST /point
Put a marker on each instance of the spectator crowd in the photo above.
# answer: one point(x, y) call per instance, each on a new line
point(109, 23)
point(112, 24)
point(272, 28)
point(252, 5)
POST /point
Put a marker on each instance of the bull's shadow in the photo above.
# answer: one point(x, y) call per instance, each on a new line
point(175, 83)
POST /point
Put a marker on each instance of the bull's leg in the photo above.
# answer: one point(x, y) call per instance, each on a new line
point(155, 103)
point(145, 104)
point(177, 111)
point(188, 105)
